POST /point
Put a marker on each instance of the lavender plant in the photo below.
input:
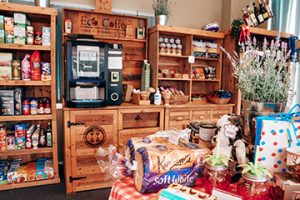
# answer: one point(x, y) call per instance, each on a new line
point(263, 75)
point(161, 7)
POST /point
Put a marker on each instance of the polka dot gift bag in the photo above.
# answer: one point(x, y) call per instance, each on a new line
point(274, 134)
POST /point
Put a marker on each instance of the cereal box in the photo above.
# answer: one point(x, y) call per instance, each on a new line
point(20, 142)
point(46, 36)
point(20, 130)
point(22, 174)
point(49, 171)
point(19, 18)
point(31, 169)
point(12, 174)
point(19, 34)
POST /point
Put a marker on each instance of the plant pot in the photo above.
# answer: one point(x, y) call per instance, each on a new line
point(161, 20)
point(251, 110)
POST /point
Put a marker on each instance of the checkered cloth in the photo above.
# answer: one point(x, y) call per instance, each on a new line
point(125, 189)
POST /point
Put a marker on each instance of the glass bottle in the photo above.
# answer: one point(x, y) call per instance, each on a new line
point(257, 13)
point(49, 135)
point(252, 16)
point(263, 11)
point(251, 187)
point(268, 8)
point(216, 177)
point(246, 18)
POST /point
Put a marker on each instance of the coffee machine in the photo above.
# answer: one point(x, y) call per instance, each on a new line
point(93, 76)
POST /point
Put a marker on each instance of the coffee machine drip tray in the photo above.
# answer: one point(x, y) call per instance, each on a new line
point(88, 103)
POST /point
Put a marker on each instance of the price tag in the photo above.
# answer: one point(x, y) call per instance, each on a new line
point(191, 59)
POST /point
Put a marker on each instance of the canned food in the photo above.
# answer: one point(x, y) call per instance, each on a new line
point(26, 107)
point(33, 107)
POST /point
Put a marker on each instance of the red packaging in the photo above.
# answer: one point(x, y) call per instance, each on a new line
point(35, 66)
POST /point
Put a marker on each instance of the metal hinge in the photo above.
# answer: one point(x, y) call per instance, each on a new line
point(69, 124)
point(71, 178)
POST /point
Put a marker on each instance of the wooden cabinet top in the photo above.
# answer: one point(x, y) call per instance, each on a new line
point(13, 7)
point(187, 31)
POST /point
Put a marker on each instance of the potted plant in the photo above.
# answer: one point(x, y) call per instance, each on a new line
point(264, 80)
point(162, 11)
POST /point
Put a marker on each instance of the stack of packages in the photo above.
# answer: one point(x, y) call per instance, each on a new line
point(5, 66)
point(14, 172)
point(277, 147)
point(164, 158)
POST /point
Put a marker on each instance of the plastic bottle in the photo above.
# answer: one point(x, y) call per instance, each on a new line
point(157, 97)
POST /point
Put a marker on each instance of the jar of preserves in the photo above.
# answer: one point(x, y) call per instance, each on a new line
point(41, 109)
point(216, 177)
point(47, 106)
point(26, 107)
point(38, 38)
point(251, 187)
point(33, 107)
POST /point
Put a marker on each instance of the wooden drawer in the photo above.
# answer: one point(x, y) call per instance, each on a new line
point(179, 119)
point(125, 135)
point(201, 116)
point(140, 118)
point(219, 112)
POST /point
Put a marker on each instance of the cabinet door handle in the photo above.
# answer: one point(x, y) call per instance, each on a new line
point(138, 117)
point(179, 118)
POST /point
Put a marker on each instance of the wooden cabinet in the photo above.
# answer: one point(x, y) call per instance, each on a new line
point(138, 123)
point(180, 116)
point(85, 132)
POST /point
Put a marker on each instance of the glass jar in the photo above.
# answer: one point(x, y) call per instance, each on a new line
point(162, 48)
point(216, 177)
point(168, 49)
point(253, 188)
point(38, 38)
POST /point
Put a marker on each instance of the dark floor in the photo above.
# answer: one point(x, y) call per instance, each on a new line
point(52, 192)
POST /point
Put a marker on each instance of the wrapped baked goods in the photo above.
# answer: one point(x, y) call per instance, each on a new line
point(160, 162)
point(179, 192)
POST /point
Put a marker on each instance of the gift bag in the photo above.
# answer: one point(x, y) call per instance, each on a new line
point(274, 134)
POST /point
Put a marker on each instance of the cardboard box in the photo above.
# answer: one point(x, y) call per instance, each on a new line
point(46, 35)
point(5, 59)
point(5, 73)
point(22, 174)
point(7, 102)
point(8, 24)
point(2, 36)
point(31, 169)
point(1, 22)
point(12, 174)
point(19, 18)
point(20, 142)
point(19, 34)
point(287, 183)
point(9, 37)
point(18, 101)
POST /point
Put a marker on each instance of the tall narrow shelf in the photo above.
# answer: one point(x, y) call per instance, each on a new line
point(39, 17)
point(181, 63)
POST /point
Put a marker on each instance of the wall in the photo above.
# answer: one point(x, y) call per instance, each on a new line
point(191, 13)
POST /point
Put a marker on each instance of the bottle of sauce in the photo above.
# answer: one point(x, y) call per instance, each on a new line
point(47, 106)
point(49, 135)
point(28, 143)
point(35, 137)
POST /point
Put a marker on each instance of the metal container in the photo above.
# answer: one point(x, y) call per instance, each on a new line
point(161, 20)
point(207, 131)
point(251, 110)
point(42, 3)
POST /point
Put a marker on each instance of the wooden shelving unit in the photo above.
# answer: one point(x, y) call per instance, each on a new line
point(39, 17)
point(180, 63)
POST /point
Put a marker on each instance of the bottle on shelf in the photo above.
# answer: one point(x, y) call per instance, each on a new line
point(268, 8)
point(257, 13)
point(49, 135)
point(252, 16)
point(263, 11)
point(157, 97)
point(35, 137)
point(42, 140)
point(29, 132)
point(246, 18)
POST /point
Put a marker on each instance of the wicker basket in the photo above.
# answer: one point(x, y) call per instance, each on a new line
point(217, 100)
point(177, 100)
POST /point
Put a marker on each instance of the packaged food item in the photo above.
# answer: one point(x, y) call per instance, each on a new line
point(31, 169)
point(49, 135)
point(26, 107)
point(46, 35)
point(5, 66)
point(35, 66)
point(22, 174)
point(5, 73)
point(19, 34)
point(68, 26)
point(7, 102)
point(12, 174)
point(20, 142)
point(41, 109)
point(19, 18)
point(46, 71)
point(2, 36)
point(33, 107)
point(16, 70)
point(9, 24)
point(49, 171)
point(29, 133)
point(42, 140)
point(20, 130)
point(2, 132)
point(4, 165)
point(38, 38)
point(35, 137)
point(5, 59)
point(29, 35)
point(160, 162)
point(26, 68)
point(10, 142)
point(1, 22)
point(18, 101)
point(47, 106)
point(2, 146)
point(9, 37)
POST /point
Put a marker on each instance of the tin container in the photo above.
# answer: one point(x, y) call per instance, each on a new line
point(33, 107)
point(16, 70)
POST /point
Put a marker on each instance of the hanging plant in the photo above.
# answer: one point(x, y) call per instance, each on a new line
point(236, 27)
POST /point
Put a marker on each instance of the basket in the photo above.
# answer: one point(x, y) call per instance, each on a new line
point(217, 100)
point(177, 100)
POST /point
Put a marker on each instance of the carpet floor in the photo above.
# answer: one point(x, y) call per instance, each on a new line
point(52, 192)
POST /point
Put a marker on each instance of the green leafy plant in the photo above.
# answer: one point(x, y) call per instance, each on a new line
point(236, 26)
point(161, 7)
point(263, 75)
point(255, 170)
point(215, 160)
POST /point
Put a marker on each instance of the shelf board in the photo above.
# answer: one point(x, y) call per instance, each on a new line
point(26, 151)
point(205, 80)
point(25, 118)
point(173, 79)
point(14, 7)
point(173, 56)
point(208, 59)
point(25, 47)
point(24, 83)
point(29, 184)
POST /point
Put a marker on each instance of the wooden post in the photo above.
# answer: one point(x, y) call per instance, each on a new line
point(103, 6)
